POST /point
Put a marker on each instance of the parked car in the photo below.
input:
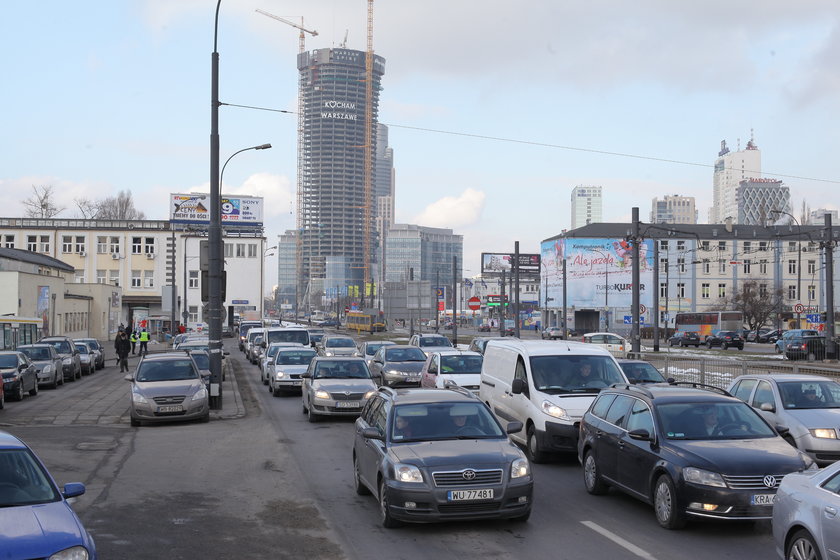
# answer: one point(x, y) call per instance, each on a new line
point(202, 362)
point(167, 387)
point(640, 371)
point(612, 343)
point(336, 386)
point(47, 363)
point(804, 524)
point(442, 450)
point(98, 351)
point(368, 349)
point(724, 339)
point(289, 365)
point(552, 333)
point(769, 336)
point(37, 519)
point(807, 405)
point(805, 348)
point(781, 343)
point(684, 339)
point(66, 348)
point(19, 375)
point(484, 327)
point(86, 358)
point(337, 346)
point(458, 367)
point(689, 452)
point(398, 365)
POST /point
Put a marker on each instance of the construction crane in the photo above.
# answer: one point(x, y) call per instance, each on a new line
point(298, 218)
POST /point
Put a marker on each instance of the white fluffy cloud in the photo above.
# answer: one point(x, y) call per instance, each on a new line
point(453, 211)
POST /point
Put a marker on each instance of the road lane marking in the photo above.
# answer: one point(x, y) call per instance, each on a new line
point(619, 541)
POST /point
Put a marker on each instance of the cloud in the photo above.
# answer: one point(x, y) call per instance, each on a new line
point(453, 212)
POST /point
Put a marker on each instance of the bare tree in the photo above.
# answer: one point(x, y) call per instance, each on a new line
point(120, 207)
point(758, 307)
point(89, 209)
point(41, 204)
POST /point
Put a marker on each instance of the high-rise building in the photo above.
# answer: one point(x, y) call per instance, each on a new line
point(332, 201)
point(587, 206)
point(730, 169)
point(383, 194)
point(673, 209)
point(757, 198)
point(286, 296)
point(428, 251)
point(817, 217)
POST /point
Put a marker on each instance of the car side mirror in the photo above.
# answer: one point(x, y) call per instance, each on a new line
point(372, 433)
point(514, 427)
point(640, 434)
point(306, 375)
point(22, 367)
point(73, 489)
point(263, 345)
point(519, 387)
point(783, 430)
point(767, 407)
point(225, 353)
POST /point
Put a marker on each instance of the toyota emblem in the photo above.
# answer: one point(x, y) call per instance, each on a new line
point(770, 481)
point(468, 474)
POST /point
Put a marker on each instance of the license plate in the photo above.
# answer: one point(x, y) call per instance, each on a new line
point(347, 404)
point(460, 495)
point(296, 383)
point(763, 499)
point(170, 408)
point(413, 378)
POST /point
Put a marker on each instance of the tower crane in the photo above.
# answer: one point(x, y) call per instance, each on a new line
point(301, 39)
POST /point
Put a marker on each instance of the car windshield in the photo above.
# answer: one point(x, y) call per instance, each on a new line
point(342, 370)
point(316, 337)
point(371, 349)
point(405, 355)
point(166, 370)
point(202, 360)
point(272, 350)
point(810, 394)
point(715, 420)
point(440, 421)
point(434, 341)
point(82, 348)
point(461, 364)
point(295, 357)
point(36, 353)
point(24, 481)
point(574, 374)
point(340, 343)
point(93, 344)
point(61, 346)
point(642, 373)
point(8, 361)
point(289, 335)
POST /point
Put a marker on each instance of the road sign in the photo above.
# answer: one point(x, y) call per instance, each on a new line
point(799, 308)
point(474, 303)
point(642, 309)
point(813, 317)
point(628, 319)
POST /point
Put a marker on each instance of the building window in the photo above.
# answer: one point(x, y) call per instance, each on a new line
point(150, 246)
point(66, 243)
point(792, 291)
point(762, 267)
point(721, 245)
point(240, 249)
point(102, 244)
point(681, 264)
point(193, 314)
point(80, 277)
point(747, 247)
point(721, 266)
point(707, 266)
point(663, 290)
point(704, 245)
point(32, 243)
point(100, 276)
point(80, 244)
point(705, 290)
point(680, 245)
point(136, 279)
point(747, 266)
point(9, 242)
point(114, 276)
point(148, 278)
point(762, 245)
point(812, 293)
point(115, 245)
point(792, 266)
point(252, 250)
point(792, 248)
point(136, 245)
point(193, 280)
point(680, 290)
point(228, 250)
point(721, 290)
point(45, 243)
point(762, 290)
point(812, 267)
point(663, 264)
point(663, 245)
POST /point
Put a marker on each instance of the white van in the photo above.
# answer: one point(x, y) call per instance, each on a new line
point(546, 385)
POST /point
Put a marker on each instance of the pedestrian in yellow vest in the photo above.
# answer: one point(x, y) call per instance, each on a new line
point(133, 340)
point(144, 342)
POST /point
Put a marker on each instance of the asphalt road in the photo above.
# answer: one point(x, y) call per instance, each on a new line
point(259, 481)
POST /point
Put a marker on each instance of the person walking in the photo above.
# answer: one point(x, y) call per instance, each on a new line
point(133, 340)
point(144, 342)
point(122, 345)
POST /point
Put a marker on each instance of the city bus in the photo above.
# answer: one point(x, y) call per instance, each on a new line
point(15, 331)
point(368, 321)
point(709, 321)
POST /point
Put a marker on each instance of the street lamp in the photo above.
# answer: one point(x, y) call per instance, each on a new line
point(262, 281)
point(799, 260)
point(260, 147)
point(606, 287)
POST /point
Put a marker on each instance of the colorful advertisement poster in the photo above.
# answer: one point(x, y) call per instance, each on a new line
point(599, 273)
point(43, 308)
point(194, 208)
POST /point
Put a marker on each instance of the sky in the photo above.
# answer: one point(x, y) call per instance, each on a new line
point(497, 110)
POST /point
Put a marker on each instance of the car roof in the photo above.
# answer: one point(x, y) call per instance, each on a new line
point(782, 377)
point(610, 333)
point(8, 352)
point(340, 359)
point(548, 347)
point(457, 352)
point(424, 396)
point(35, 345)
point(629, 361)
point(164, 356)
point(667, 393)
point(8, 441)
point(398, 346)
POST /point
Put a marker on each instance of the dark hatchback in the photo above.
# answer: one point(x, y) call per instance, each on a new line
point(684, 339)
point(725, 339)
point(689, 452)
point(640, 371)
point(439, 455)
point(805, 348)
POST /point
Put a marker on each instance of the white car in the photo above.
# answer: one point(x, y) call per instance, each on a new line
point(288, 366)
point(267, 358)
point(612, 343)
point(461, 367)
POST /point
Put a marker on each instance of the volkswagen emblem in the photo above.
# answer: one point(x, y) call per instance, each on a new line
point(347, 393)
point(468, 474)
point(770, 481)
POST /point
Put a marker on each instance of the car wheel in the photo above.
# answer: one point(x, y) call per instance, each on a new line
point(802, 546)
point(205, 419)
point(709, 345)
point(741, 347)
point(665, 504)
point(135, 422)
point(361, 489)
point(682, 345)
point(311, 416)
point(532, 448)
point(778, 350)
point(724, 346)
point(591, 477)
point(385, 510)
point(19, 392)
point(303, 407)
point(34, 390)
point(54, 383)
point(522, 518)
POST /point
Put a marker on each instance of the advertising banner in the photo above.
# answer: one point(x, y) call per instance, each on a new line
point(495, 263)
point(599, 273)
point(194, 208)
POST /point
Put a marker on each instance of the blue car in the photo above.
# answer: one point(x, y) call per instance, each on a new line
point(36, 520)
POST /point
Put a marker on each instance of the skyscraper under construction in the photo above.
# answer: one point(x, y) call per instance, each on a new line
point(335, 210)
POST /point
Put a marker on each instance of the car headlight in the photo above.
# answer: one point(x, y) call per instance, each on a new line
point(66, 361)
point(393, 372)
point(72, 553)
point(321, 394)
point(47, 369)
point(520, 468)
point(369, 394)
point(407, 473)
point(556, 411)
point(279, 375)
point(12, 378)
point(138, 398)
point(200, 395)
point(328, 353)
point(700, 476)
point(823, 433)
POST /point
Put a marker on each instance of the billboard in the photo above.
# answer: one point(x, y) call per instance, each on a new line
point(194, 208)
point(496, 263)
point(599, 273)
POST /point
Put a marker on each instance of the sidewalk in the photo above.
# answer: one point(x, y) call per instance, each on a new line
point(232, 405)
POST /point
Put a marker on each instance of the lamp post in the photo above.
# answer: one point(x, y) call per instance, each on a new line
point(606, 287)
point(798, 262)
point(214, 233)
point(262, 280)
point(260, 147)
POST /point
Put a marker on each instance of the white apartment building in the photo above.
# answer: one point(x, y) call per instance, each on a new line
point(730, 169)
point(587, 205)
point(673, 209)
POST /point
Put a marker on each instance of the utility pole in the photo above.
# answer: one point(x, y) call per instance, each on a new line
point(437, 301)
point(831, 348)
point(456, 310)
point(656, 295)
point(502, 307)
point(565, 325)
point(635, 338)
point(516, 289)
point(215, 232)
